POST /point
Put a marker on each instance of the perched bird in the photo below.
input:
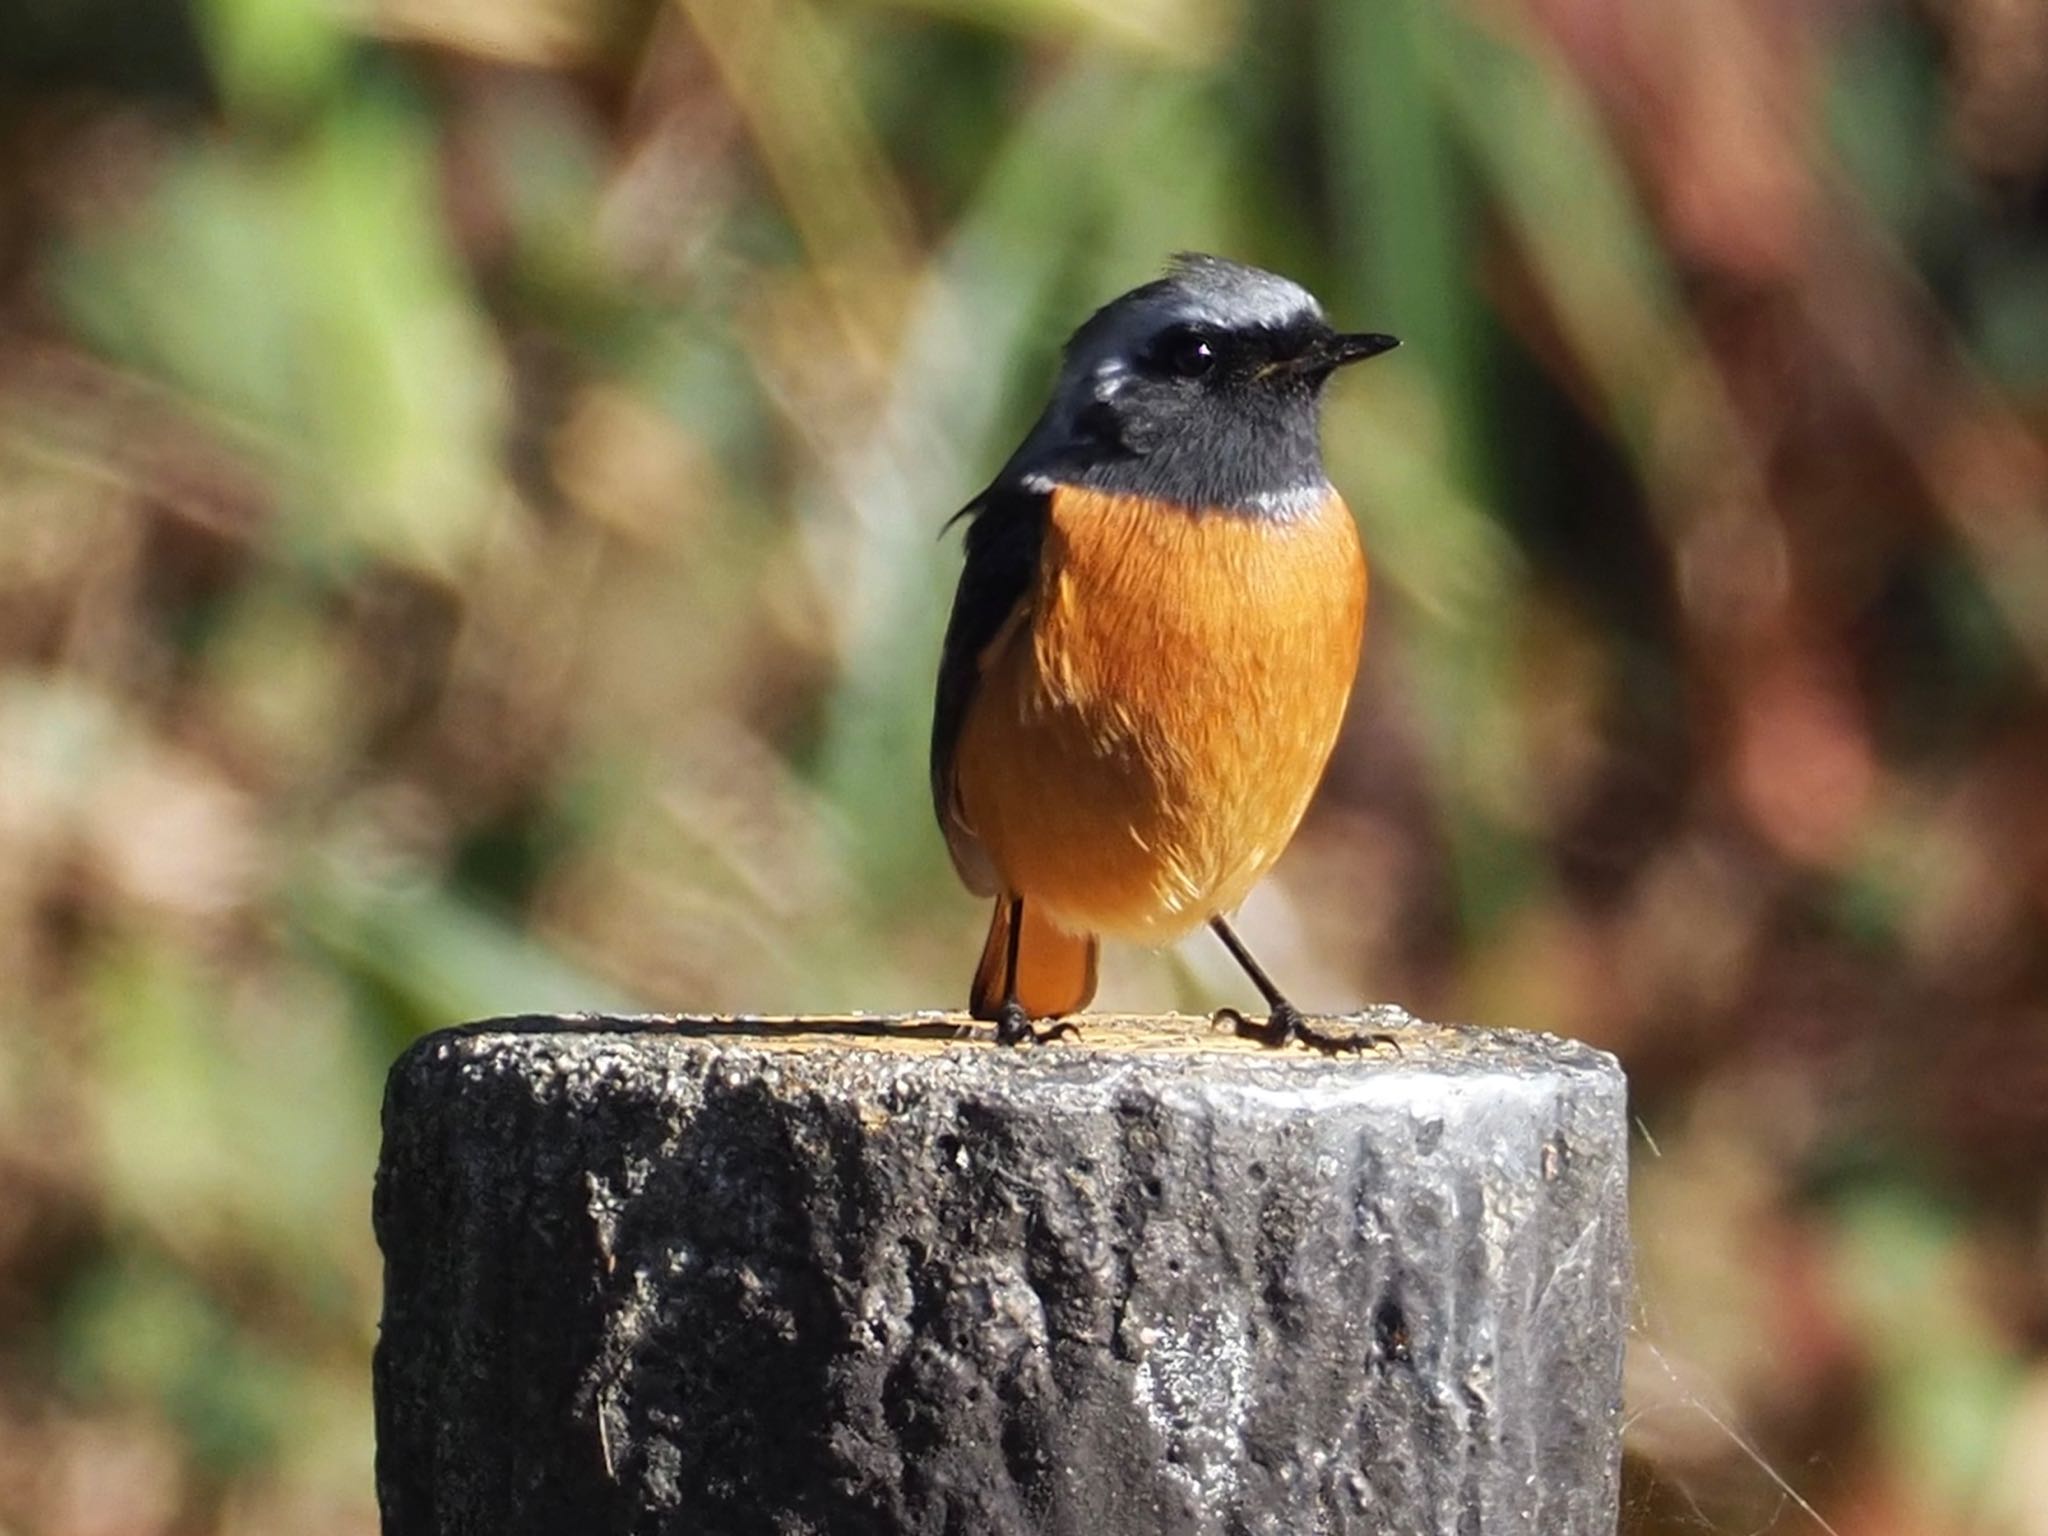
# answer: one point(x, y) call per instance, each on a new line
point(1153, 640)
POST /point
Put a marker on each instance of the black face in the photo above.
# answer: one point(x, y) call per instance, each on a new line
point(1220, 417)
point(1273, 356)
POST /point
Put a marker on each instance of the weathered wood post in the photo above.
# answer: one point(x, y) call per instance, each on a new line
point(842, 1278)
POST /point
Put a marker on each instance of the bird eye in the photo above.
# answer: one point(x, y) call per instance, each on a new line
point(1188, 353)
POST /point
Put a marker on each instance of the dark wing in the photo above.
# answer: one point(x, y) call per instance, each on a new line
point(1003, 541)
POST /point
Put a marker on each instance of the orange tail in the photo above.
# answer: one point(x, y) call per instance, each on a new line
point(1055, 970)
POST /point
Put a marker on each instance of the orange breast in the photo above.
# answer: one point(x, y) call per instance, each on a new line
point(1144, 743)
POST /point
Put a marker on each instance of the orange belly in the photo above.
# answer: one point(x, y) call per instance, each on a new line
point(1145, 740)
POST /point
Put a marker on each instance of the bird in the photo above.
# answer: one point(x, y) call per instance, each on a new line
point(1159, 617)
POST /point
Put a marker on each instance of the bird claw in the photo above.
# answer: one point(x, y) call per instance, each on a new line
point(1286, 1023)
point(1014, 1027)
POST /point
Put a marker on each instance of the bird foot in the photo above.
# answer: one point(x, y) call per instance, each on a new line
point(1286, 1023)
point(1014, 1027)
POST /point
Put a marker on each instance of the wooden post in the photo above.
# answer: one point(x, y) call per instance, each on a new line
point(847, 1277)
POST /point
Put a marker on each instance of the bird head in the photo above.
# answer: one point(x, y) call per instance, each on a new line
point(1202, 387)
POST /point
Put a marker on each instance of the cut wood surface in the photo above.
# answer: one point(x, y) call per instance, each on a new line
point(862, 1275)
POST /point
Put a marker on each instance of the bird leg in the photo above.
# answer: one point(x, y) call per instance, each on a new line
point(1284, 1021)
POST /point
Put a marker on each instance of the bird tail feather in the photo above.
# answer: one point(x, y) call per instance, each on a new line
point(1055, 969)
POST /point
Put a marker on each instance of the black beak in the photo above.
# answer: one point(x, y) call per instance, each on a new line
point(1328, 353)
point(1355, 347)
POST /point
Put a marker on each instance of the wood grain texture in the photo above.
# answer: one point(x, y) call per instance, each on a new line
point(851, 1277)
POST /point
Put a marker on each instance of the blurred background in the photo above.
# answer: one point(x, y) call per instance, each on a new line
point(470, 491)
